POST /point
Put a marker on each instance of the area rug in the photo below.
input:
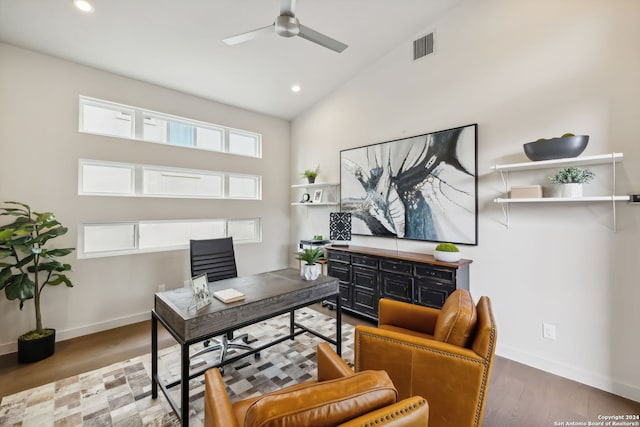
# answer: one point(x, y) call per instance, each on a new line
point(120, 394)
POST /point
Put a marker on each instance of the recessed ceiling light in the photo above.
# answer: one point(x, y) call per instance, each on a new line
point(295, 88)
point(83, 5)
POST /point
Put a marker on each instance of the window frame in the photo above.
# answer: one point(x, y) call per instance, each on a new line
point(139, 181)
point(138, 120)
point(82, 254)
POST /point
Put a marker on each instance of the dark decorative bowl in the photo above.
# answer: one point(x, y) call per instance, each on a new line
point(556, 148)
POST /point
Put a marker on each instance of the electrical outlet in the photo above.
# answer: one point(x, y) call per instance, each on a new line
point(549, 331)
point(162, 287)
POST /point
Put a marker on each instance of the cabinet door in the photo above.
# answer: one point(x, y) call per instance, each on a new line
point(396, 286)
point(432, 293)
point(365, 290)
point(342, 272)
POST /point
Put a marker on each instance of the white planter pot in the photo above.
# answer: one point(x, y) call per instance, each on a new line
point(310, 272)
point(571, 191)
point(447, 256)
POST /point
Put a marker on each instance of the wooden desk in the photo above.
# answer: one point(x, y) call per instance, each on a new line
point(266, 295)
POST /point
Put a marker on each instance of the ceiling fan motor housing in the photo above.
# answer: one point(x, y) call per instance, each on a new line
point(287, 26)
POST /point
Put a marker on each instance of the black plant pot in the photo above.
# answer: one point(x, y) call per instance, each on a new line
point(30, 351)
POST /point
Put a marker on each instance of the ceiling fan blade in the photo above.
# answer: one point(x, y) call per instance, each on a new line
point(250, 35)
point(288, 8)
point(319, 38)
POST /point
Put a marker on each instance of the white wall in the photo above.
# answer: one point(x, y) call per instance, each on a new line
point(521, 70)
point(39, 150)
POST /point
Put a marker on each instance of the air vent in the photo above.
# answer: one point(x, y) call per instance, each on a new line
point(423, 46)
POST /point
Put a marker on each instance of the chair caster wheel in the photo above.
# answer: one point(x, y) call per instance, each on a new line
point(245, 340)
point(206, 343)
point(256, 356)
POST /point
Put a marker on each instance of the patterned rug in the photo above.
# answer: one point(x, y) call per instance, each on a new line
point(120, 394)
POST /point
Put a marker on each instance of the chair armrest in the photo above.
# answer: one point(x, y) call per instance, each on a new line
point(330, 365)
point(411, 412)
point(407, 316)
point(218, 411)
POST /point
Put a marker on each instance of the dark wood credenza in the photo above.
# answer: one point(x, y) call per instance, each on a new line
point(367, 274)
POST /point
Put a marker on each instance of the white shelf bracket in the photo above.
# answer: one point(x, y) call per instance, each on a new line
point(505, 206)
point(613, 189)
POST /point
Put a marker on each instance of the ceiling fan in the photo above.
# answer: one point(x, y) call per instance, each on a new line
point(287, 25)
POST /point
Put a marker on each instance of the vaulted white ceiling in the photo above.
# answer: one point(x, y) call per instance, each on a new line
point(178, 43)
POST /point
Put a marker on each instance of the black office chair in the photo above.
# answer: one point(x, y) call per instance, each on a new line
point(217, 258)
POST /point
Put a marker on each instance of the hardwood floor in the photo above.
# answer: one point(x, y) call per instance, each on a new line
point(518, 395)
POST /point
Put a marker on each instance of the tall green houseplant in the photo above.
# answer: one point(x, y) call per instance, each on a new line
point(27, 264)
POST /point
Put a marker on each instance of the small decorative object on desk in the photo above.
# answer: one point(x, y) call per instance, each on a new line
point(571, 180)
point(447, 252)
point(311, 174)
point(229, 295)
point(200, 287)
point(568, 145)
point(309, 270)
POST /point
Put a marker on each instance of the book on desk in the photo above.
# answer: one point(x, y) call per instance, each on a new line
point(229, 295)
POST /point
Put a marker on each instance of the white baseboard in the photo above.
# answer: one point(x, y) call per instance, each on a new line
point(571, 372)
point(62, 335)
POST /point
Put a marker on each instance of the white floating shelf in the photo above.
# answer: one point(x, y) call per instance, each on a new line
point(315, 204)
point(600, 159)
point(314, 185)
point(565, 199)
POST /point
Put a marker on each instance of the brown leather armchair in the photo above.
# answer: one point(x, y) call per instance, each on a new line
point(340, 397)
point(443, 355)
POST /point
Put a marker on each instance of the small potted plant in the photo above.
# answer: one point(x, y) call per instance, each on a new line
point(311, 174)
point(447, 252)
point(310, 270)
point(571, 180)
point(27, 265)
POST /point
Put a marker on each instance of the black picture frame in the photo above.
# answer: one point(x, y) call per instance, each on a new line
point(423, 187)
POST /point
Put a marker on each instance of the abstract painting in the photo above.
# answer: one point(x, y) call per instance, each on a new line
point(421, 188)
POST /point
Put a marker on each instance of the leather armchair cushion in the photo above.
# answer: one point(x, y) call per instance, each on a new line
point(322, 404)
point(456, 322)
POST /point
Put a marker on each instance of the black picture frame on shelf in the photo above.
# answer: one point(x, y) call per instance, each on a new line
point(422, 187)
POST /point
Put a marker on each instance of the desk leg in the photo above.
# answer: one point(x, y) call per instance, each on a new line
point(184, 386)
point(154, 355)
point(338, 325)
point(292, 321)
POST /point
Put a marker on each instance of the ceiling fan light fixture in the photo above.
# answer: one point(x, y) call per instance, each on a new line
point(83, 5)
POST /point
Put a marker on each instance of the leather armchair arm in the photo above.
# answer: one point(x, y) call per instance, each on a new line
point(217, 406)
point(407, 316)
point(411, 412)
point(330, 365)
